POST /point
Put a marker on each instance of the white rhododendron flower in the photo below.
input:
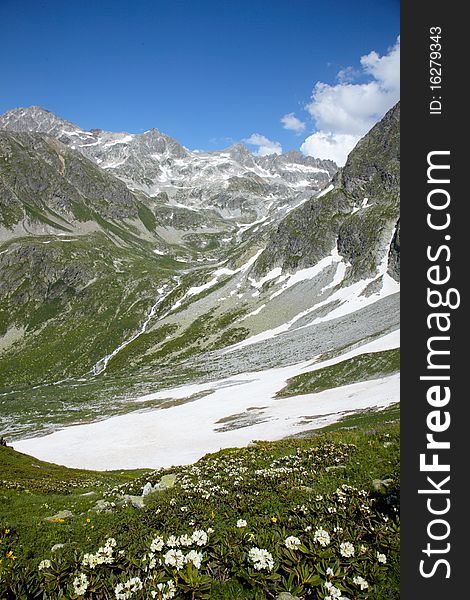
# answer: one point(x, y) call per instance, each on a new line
point(361, 582)
point(126, 590)
point(292, 542)
point(89, 560)
point(194, 557)
point(333, 591)
point(174, 558)
point(241, 523)
point(186, 540)
point(80, 584)
point(172, 541)
point(199, 537)
point(44, 564)
point(152, 561)
point(382, 559)
point(322, 537)
point(157, 544)
point(261, 559)
point(165, 590)
point(104, 556)
point(346, 549)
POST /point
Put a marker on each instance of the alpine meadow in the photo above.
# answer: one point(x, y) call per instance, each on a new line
point(199, 362)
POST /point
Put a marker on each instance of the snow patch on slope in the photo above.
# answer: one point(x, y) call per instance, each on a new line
point(166, 437)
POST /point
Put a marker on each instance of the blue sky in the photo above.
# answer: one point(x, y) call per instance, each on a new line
point(205, 72)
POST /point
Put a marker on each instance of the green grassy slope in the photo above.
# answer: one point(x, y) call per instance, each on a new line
point(344, 481)
point(359, 368)
point(76, 301)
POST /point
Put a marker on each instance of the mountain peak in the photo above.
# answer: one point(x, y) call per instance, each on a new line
point(38, 120)
point(240, 153)
point(294, 154)
point(239, 147)
point(153, 132)
point(34, 109)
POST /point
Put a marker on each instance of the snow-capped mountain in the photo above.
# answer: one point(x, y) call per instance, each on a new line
point(234, 181)
point(128, 262)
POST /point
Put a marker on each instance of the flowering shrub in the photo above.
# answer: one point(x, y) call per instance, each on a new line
point(257, 521)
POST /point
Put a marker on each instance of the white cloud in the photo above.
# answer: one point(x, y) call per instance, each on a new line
point(265, 146)
point(335, 146)
point(291, 122)
point(385, 69)
point(347, 75)
point(344, 112)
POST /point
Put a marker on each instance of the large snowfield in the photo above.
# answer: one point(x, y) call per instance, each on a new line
point(207, 417)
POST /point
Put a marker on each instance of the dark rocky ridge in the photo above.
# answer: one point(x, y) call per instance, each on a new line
point(357, 215)
point(39, 172)
point(29, 272)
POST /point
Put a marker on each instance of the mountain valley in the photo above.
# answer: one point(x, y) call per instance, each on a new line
point(137, 275)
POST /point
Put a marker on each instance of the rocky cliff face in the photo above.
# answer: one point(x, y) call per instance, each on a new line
point(372, 169)
point(40, 175)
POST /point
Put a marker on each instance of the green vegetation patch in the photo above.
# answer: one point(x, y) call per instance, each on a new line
point(23, 472)
point(135, 352)
point(359, 368)
point(296, 516)
point(147, 217)
point(86, 297)
point(36, 215)
point(229, 337)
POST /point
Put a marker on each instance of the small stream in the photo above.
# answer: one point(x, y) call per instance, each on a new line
point(102, 364)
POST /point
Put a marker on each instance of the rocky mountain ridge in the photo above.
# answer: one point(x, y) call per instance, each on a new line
point(234, 181)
